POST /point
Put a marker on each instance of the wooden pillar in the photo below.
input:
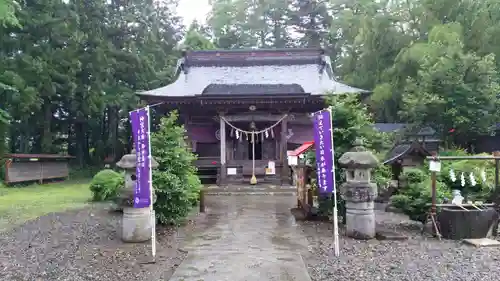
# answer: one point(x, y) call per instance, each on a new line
point(496, 191)
point(283, 152)
point(223, 169)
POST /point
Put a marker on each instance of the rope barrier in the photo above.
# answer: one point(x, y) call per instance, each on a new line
point(253, 180)
point(254, 132)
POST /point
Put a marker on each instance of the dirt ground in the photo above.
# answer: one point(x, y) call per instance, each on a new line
point(420, 258)
point(85, 245)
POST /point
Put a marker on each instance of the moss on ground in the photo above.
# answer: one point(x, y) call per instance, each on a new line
point(20, 204)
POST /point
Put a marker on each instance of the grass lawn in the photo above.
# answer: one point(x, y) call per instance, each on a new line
point(19, 204)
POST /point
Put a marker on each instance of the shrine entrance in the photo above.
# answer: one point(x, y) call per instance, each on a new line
point(242, 146)
point(257, 153)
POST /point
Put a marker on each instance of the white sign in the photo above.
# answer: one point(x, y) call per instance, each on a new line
point(232, 171)
point(435, 166)
point(293, 160)
point(271, 168)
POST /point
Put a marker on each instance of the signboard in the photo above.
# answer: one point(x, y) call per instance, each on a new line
point(140, 131)
point(271, 168)
point(435, 166)
point(323, 142)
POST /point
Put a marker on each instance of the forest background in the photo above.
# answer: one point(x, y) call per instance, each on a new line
point(69, 69)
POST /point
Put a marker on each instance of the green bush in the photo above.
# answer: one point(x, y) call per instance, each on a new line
point(176, 184)
point(414, 175)
point(382, 176)
point(194, 187)
point(414, 199)
point(481, 191)
point(106, 185)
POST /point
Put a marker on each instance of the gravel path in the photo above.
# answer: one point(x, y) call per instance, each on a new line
point(85, 245)
point(419, 258)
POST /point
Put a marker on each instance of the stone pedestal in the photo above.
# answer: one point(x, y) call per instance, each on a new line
point(136, 225)
point(359, 192)
point(360, 215)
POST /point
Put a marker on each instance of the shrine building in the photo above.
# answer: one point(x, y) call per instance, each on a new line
point(244, 109)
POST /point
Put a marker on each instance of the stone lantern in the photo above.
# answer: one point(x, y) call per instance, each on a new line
point(136, 222)
point(358, 191)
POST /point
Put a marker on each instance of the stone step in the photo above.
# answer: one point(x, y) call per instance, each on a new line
point(251, 190)
point(260, 181)
point(231, 193)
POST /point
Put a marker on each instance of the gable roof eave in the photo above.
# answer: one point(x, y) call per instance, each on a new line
point(401, 150)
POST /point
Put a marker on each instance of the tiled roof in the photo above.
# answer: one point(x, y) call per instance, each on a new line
point(253, 72)
point(253, 57)
point(396, 152)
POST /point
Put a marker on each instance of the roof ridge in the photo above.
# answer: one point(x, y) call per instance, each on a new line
point(259, 50)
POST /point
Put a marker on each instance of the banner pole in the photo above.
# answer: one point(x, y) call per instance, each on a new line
point(334, 190)
point(151, 210)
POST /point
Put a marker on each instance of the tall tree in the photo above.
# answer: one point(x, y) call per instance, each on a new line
point(311, 19)
point(7, 12)
point(452, 88)
point(250, 24)
point(70, 69)
point(195, 39)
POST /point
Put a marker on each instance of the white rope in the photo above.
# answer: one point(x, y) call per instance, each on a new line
point(254, 132)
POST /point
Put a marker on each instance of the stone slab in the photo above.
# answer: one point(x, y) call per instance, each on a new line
point(390, 235)
point(231, 193)
point(482, 242)
point(245, 238)
point(244, 265)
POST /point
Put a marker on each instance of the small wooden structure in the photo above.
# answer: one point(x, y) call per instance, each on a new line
point(400, 157)
point(35, 167)
point(406, 155)
point(301, 174)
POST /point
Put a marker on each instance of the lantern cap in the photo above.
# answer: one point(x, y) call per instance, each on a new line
point(358, 157)
point(128, 161)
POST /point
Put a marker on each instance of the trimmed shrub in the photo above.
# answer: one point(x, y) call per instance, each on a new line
point(382, 176)
point(106, 185)
point(414, 199)
point(176, 184)
point(414, 176)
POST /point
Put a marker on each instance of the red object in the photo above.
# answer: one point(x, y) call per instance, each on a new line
point(302, 149)
point(451, 130)
point(214, 162)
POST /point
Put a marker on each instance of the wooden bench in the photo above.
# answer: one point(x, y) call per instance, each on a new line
point(35, 167)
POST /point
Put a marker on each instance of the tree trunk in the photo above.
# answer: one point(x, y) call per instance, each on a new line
point(46, 132)
point(81, 141)
point(112, 141)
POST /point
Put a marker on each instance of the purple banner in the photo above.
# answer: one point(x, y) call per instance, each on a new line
point(323, 143)
point(140, 131)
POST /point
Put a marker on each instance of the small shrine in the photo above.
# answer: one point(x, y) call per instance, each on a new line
point(405, 155)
